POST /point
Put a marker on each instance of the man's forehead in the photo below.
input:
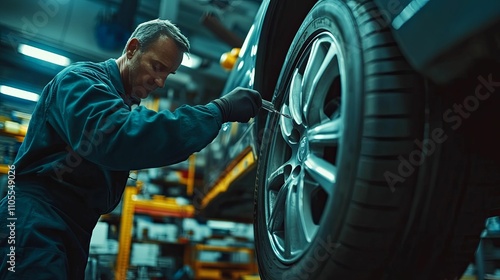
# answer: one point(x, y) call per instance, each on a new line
point(166, 51)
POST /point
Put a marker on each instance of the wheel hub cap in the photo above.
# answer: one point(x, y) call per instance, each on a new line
point(303, 150)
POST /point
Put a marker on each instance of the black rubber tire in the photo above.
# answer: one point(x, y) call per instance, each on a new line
point(458, 185)
point(391, 216)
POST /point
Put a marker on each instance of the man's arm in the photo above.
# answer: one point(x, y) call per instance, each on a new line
point(98, 125)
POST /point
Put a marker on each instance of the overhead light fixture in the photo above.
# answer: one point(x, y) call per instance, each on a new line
point(43, 55)
point(191, 61)
point(19, 93)
point(221, 224)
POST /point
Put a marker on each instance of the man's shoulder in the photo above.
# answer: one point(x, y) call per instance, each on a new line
point(85, 67)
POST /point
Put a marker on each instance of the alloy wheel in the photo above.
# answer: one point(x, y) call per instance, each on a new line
point(302, 166)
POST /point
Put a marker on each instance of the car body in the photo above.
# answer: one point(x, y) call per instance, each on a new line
point(386, 169)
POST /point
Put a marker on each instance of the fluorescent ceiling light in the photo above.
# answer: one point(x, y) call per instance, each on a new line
point(19, 93)
point(191, 60)
point(43, 55)
point(221, 224)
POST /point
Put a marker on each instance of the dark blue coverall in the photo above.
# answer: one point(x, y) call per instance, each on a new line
point(82, 142)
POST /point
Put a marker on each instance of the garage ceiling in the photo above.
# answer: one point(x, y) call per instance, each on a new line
point(69, 27)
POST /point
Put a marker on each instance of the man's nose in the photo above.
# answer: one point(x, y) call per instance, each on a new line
point(160, 82)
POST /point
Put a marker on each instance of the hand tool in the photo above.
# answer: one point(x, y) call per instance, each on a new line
point(268, 106)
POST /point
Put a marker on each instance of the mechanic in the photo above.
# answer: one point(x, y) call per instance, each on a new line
point(85, 136)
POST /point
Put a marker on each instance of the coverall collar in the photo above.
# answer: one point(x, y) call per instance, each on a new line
point(116, 80)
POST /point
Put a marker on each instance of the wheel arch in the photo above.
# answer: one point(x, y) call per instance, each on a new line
point(283, 19)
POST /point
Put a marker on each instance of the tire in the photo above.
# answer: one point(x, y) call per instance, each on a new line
point(361, 182)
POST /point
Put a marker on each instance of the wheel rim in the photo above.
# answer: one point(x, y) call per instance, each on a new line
point(301, 168)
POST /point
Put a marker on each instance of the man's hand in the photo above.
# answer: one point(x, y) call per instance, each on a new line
point(239, 105)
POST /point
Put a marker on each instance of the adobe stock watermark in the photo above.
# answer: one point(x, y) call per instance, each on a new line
point(454, 116)
point(32, 24)
point(11, 218)
point(323, 251)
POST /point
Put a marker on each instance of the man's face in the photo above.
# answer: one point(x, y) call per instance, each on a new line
point(148, 69)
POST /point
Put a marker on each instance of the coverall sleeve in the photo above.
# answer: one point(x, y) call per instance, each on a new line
point(97, 124)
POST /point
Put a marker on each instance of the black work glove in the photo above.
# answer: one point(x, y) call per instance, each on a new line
point(239, 105)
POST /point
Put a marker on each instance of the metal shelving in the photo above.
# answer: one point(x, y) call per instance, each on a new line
point(221, 269)
point(158, 206)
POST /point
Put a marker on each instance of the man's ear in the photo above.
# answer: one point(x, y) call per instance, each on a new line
point(132, 47)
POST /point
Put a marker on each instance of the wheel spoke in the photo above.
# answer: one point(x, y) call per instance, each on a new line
point(322, 172)
point(294, 228)
point(327, 133)
point(276, 217)
point(310, 205)
point(294, 97)
point(274, 177)
point(286, 124)
point(321, 69)
point(305, 226)
point(278, 206)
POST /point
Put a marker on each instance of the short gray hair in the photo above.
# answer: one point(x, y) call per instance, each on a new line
point(148, 32)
